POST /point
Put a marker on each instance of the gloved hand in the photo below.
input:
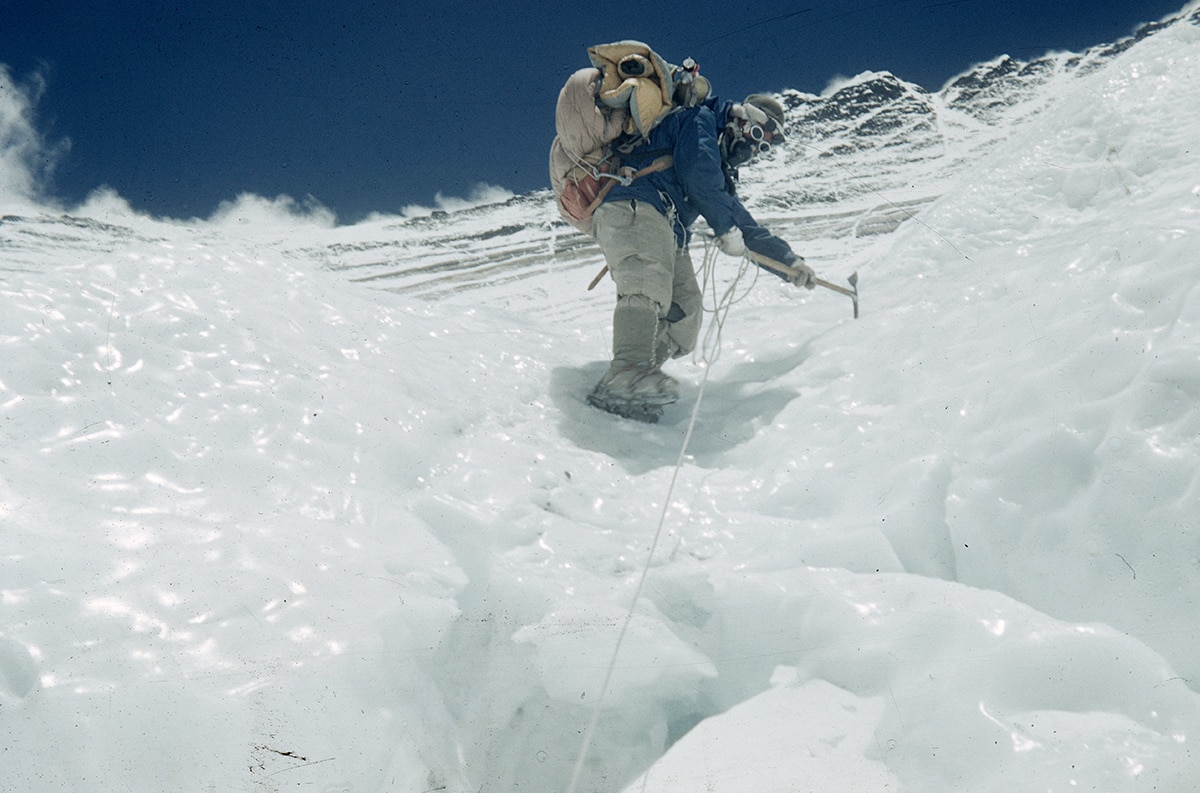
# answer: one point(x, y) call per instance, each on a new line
point(731, 242)
point(805, 276)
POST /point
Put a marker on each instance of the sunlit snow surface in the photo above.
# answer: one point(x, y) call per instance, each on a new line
point(293, 506)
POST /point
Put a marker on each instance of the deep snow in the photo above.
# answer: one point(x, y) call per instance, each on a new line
point(270, 523)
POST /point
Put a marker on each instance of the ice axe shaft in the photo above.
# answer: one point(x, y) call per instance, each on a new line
point(603, 272)
point(792, 272)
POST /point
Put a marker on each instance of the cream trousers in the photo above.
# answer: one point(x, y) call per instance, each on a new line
point(659, 305)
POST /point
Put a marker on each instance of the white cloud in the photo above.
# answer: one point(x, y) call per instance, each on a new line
point(105, 203)
point(255, 210)
point(480, 194)
point(26, 159)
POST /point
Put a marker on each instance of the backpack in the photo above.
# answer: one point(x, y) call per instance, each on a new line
point(628, 90)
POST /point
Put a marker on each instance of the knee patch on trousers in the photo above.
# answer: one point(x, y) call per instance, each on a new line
point(640, 302)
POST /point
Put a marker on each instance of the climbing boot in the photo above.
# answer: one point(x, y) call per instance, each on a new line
point(637, 392)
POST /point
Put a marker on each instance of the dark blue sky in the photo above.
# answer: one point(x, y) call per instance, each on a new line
point(372, 106)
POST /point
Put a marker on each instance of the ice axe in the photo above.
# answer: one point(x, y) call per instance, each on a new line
point(792, 273)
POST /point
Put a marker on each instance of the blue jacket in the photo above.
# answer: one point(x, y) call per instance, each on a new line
point(695, 185)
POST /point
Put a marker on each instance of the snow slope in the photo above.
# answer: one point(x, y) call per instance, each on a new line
point(286, 505)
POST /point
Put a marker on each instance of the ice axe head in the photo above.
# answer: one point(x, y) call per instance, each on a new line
point(851, 293)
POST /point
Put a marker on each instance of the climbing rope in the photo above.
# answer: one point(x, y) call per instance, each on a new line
point(708, 354)
point(710, 349)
